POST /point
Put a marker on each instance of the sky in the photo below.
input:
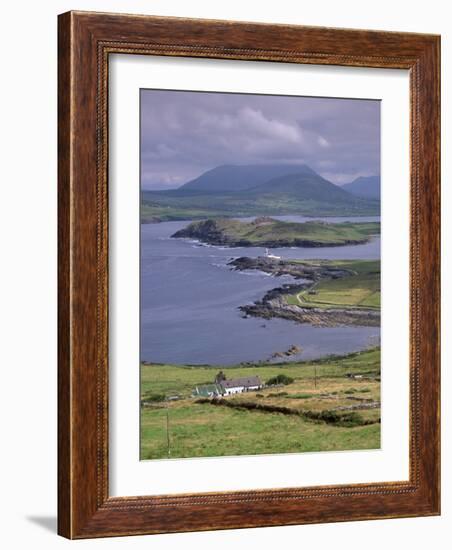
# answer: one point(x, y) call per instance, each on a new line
point(184, 134)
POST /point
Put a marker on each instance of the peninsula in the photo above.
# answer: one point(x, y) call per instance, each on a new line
point(328, 293)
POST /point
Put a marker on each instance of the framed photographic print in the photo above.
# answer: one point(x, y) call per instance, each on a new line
point(248, 275)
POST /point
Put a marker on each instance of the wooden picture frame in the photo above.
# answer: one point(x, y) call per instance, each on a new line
point(86, 40)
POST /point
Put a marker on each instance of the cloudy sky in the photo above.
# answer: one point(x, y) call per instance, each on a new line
point(183, 134)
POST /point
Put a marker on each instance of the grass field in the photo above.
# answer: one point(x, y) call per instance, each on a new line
point(153, 213)
point(331, 388)
point(166, 207)
point(359, 290)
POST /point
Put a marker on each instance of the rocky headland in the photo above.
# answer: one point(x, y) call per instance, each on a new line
point(276, 303)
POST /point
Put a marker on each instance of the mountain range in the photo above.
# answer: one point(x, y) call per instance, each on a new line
point(230, 178)
point(247, 190)
point(367, 187)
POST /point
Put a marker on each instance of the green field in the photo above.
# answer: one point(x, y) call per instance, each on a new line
point(166, 208)
point(174, 424)
point(359, 290)
point(154, 213)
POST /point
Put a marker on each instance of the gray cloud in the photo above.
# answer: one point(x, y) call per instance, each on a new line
point(186, 133)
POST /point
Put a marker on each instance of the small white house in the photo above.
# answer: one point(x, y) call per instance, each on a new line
point(240, 385)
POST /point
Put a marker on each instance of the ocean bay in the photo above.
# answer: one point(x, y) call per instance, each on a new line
point(190, 299)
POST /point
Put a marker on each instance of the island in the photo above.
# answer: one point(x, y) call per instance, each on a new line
point(326, 293)
point(269, 232)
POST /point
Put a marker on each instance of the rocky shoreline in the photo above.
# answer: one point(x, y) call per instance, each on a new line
point(312, 316)
point(274, 303)
point(312, 272)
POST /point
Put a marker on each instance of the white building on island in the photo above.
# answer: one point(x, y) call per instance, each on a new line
point(271, 256)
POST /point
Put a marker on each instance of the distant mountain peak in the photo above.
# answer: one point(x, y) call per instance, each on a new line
point(364, 186)
point(238, 177)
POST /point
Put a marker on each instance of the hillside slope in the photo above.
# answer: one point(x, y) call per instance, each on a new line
point(305, 185)
point(231, 178)
point(366, 187)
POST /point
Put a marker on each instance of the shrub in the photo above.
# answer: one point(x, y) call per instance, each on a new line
point(344, 419)
point(300, 396)
point(280, 379)
point(278, 394)
point(154, 398)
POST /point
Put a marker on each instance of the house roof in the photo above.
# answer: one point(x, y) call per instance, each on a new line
point(246, 382)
